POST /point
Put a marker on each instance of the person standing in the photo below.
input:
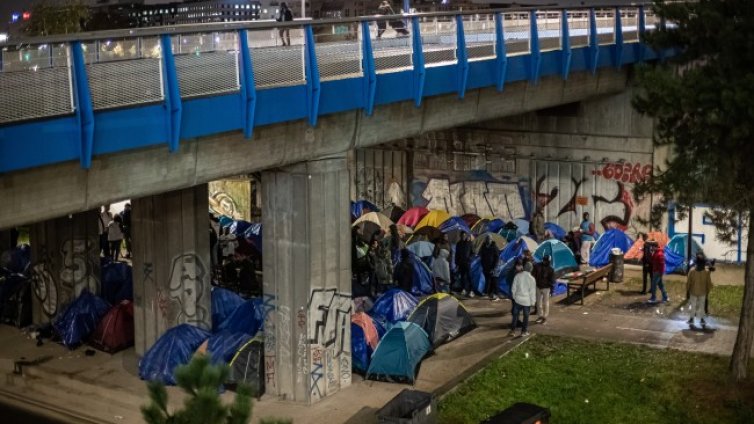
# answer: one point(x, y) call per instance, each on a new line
point(646, 262)
point(115, 236)
point(538, 225)
point(587, 237)
point(699, 284)
point(658, 269)
point(524, 296)
point(105, 217)
point(489, 256)
point(404, 271)
point(125, 217)
point(544, 275)
point(463, 262)
point(380, 262)
point(441, 271)
point(285, 15)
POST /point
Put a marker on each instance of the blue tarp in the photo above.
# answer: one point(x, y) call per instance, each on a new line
point(253, 235)
point(237, 228)
point(117, 282)
point(172, 349)
point(17, 259)
point(505, 279)
point(394, 305)
point(600, 255)
point(523, 226)
point(515, 249)
point(221, 347)
point(675, 253)
point(224, 302)
point(556, 230)
point(478, 282)
point(360, 207)
point(423, 279)
point(455, 223)
point(561, 257)
point(398, 353)
point(495, 225)
point(247, 318)
point(360, 350)
point(80, 319)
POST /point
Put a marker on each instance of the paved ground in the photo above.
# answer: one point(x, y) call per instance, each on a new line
point(105, 388)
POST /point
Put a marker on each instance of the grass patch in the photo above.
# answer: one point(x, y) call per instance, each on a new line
point(588, 382)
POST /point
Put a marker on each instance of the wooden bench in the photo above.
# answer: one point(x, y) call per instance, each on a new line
point(590, 279)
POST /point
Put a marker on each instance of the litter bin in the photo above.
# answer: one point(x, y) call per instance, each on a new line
point(616, 258)
point(409, 407)
point(521, 413)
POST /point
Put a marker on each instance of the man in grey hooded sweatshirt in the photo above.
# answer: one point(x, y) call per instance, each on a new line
point(441, 271)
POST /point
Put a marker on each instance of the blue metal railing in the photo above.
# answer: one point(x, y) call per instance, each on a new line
point(74, 97)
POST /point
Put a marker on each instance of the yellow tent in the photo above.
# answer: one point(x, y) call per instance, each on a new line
point(433, 219)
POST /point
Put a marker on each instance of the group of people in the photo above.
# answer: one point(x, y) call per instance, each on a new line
point(114, 230)
point(531, 287)
point(234, 261)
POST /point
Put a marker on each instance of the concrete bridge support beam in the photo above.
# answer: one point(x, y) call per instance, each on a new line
point(307, 279)
point(171, 263)
point(65, 259)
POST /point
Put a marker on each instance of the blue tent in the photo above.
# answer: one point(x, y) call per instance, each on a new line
point(237, 228)
point(253, 235)
point(516, 249)
point(423, 279)
point(477, 275)
point(117, 282)
point(80, 319)
point(224, 302)
point(561, 257)
point(505, 279)
point(523, 226)
point(221, 347)
point(675, 253)
point(556, 230)
point(398, 354)
point(360, 207)
point(394, 305)
point(247, 318)
point(600, 255)
point(172, 349)
point(455, 223)
point(495, 225)
point(225, 221)
point(360, 350)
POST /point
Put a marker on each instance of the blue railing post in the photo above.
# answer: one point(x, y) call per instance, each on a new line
point(594, 45)
point(83, 104)
point(462, 56)
point(641, 54)
point(172, 93)
point(418, 59)
point(501, 54)
point(535, 56)
point(312, 76)
point(248, 85)
point(618, 49)
point(370, 72)
point(565, 45)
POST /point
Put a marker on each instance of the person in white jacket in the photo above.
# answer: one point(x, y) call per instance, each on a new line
point(524, 296)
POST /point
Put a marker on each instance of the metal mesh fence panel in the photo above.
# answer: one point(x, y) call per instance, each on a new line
point(393, 51)
point(439, 41)
point(605, 26)
point(549, 31)
point(338, 51)
point(479, 32)
point(630, 24)
point(516, 31)
point(207, 63)
point(275, 64)
point(578, 29)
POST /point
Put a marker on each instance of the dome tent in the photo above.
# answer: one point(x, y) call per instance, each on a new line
point(443, 318)
point(561, 257)
point(611, 239)
point(675, 253)
point(172, 349)
point(398, 354)
point(394, 305)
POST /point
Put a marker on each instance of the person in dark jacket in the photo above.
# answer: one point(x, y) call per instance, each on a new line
point(440, 244)
point(404, 271)
point(646, 262)
point(463, 262)
point(489, 255)
point(285, 15)
point(544, 275)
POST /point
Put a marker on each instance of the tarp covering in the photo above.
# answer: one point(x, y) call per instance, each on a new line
point(117, 282)
point(433, 219)
point(505, 279)
point(556, 230)
point(239, 227)
point(413, 216)
point(360, 207)
point(636, 252)
point(495, 225)
point(478, 282)
point(247, 318)
point(253, 235)
point(561, 257)
point(454, 224)
point(394, 305)
point(424, 282)
point(247, 366)
point(523, 226)
point(172, 349)
point(115, 331)
point(675, 253)
point(442, 317)
point(222, 347)
point(614, 238)
point(80, 319)
point(398, 354)
point(421, 249)
point(224, 302)
point(516, 248)
point(364, 340)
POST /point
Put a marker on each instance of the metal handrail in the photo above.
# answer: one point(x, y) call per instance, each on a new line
point(259, 25)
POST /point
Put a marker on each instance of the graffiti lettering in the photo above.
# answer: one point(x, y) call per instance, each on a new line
point(484, 198)
point(625, 172)
point(188, 279)
point(78, 270)
point(331, 314)
point(316, 373)
point(622, 197)
point(269, 371)
point(45, 287)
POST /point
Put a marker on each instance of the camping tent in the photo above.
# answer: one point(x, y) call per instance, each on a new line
point(224, 302)
point(238, 227)
point(247, 366)
point(247, 318)
point(500, 242)
point(636, 252)
point(516, 248)
point(478, 280)
point(393, 212)
point(364, 340)
point(172, 349)
point(399, 353)
point(453, 227)
point(523, 226)
point(224, 221)
point(675, 253)
point(442, 317)
point(115, 331)
point(80, 319)
point(413, 216)
point(561, 257)
point(495, 225)
point(480, 226)
point(611, 239)
point(117, 282)
point(371, 222)
point(470, 219)
point(394, 305)
point(423, 281)
point(427, 233)
point(556, 230)
point(222, 346)
point(433, 219)
point(505, 279)
point(421, 249)
point(360, 207)
point(509, 231)
point(253, 235)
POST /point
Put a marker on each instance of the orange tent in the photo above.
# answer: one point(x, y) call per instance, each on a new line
point(370, 332)
point(636, 252)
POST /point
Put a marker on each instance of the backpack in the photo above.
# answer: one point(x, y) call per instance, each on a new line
point(288, 15)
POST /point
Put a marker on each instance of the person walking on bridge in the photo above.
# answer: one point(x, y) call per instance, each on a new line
point(285, 15)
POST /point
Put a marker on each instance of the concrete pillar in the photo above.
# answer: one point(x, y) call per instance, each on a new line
point(171, 263)
point(64, 260)
point(307, 279)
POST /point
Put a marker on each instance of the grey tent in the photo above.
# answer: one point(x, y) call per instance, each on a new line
point(247, 366)
point(443, 317)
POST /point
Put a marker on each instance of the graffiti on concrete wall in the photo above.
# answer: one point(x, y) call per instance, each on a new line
point(329, 324)
point(270, 342)
point(231, 198)
point(44, 285)
point(78, 271)
point(188, 278)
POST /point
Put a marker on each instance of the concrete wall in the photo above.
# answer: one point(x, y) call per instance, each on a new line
point(65, 260)
point(66, 188)
point(380, 176)
point(171, 263)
